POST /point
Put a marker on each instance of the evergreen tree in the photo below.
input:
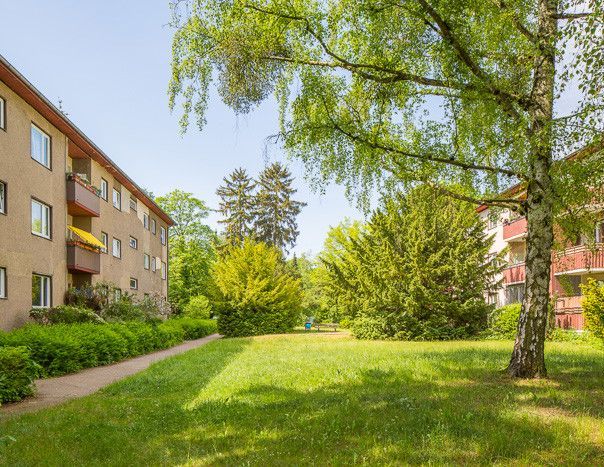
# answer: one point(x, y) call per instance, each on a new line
point(237, 205)
point(416, 270)
point(276, 211)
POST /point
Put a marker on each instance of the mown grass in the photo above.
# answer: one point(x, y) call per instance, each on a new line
point(312, 399)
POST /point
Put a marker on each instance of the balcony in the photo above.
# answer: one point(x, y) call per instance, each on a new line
point(514, 274)
point(515, 230)
point(82, 198)
point(569, 304)
point(81, 258)
point(579, 259)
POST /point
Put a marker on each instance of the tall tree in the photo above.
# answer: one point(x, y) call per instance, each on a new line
point(276, 212)
point(237, 205)
point(416, 270)
point(446, 92)
point(191, 251)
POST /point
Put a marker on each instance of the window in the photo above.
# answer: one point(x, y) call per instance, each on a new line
point(2, 282)
point(162, 235)
point(2, 114)
point(40, 146)
point(2, 198)
point(153, 227)
point(133, 283)
point(514, 293)
point(164, 271)
point(105, 241)
point(104, 189)
point(133, 243)
point(117, 248)
point(153, 264)
point(133, 203)
point(117, 294)
point(146, 221)
point(147, 261)
point(40, 219)
point(40, 291)
point(493, 219)
point(117, 199)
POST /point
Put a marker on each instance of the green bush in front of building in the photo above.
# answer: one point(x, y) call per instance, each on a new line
point(593, 307)
point(67, 348)
point(17, 373)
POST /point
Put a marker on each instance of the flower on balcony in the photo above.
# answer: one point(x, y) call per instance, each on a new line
point(83, 181)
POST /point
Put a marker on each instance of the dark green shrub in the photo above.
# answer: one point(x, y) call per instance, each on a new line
point(17, 373)
point(94, 297)
point(593, 307)
point(256, 294)
point(198, 307)
point(67, 348)
point(65, 314)
point(504, 322)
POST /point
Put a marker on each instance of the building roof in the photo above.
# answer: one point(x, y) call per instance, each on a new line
point(80, 145)
point(578, 154)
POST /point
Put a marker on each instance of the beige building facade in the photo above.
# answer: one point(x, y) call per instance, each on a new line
point(68, 215)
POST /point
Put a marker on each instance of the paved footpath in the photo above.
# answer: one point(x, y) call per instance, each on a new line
point(54, 391)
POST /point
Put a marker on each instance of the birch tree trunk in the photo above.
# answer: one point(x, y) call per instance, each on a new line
point(528, 360)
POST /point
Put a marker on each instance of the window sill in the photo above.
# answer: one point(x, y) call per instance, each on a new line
point(41, 236)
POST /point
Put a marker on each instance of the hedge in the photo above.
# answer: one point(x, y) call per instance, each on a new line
point(17, 373)
point(67, 348)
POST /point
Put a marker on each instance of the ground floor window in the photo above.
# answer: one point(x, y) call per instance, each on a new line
point(2, 282)
point(133, 283)
point(514, 293)
point(40, 291)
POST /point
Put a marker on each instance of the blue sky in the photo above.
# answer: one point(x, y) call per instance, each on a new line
point(109, 63)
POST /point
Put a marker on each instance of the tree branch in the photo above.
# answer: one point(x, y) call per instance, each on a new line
point(571, 16)
point(396, 75)
point(426, 157)
point(447, 34)
point(495, 202)
point(517, 22)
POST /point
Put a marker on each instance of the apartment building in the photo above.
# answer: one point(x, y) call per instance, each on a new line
point(69, 216)
point(571, 266)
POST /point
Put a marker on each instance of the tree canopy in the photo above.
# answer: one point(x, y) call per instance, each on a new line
point(456, 94)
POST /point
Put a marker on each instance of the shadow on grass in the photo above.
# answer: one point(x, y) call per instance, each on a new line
point(458, 412)
point(440, 406)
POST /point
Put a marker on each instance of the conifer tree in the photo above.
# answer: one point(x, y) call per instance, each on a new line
point(237, 205)
point(416, 270)
point(276, 211)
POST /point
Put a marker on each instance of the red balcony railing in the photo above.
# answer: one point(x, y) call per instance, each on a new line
point(579, 258)
point(82, 258)
point(514, 273)
point(514, 229)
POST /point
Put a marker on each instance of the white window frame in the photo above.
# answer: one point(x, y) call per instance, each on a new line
point(2, 113)
point(133, 204)
point(45, 291)
point(105, 241)
point(117, 199)
point(162, 235)
point(45, 221)
point(116, 242)
point(2, 197)
point(104, 189)
point(133, 242)
point(146, 221)
point(153, 264)
point(135, 281)
point(164, 270)
point(45, 158)
point(146, 261)
point(153, 226)
point(2, 282)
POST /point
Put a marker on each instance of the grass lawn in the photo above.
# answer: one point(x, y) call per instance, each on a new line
point(321, 399)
